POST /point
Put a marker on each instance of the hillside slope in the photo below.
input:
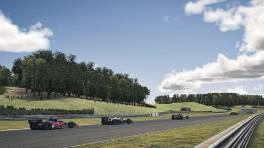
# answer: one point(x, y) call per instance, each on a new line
point(193, 105)
point(100, 107)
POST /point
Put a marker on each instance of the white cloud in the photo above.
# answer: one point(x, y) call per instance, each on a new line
point(249, 63)
point(199, 6)
point(222, 70)
point(227, 20)
point(251, 18)
point(238, 90)
point(14, 39)
point(258, 87)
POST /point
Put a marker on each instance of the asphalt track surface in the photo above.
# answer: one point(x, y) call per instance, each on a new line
point(94, 133)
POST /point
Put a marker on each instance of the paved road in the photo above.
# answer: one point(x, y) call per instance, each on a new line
point(94, 133)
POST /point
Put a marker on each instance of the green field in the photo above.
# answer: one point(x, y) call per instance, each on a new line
point(239, 107)
point(168, 116)
point(258, 137)
point(7, 125)
point(101, 108)
point(186, 137)
point(194, 106)
point(76, 104)
point(257, 140)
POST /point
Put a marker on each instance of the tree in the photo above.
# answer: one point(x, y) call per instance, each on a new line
point(47, 72)
point(17, 70)
point(5, 76)
point(213, 99)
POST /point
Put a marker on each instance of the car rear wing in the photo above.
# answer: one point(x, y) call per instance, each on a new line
point(35, 121)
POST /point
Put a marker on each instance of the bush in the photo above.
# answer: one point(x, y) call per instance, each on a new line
point(149, 105)
point(2, 90)
point(10, 110)
point(186, 109)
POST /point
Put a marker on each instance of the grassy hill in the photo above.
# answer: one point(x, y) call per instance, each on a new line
point(100, 107)
point(193, 105)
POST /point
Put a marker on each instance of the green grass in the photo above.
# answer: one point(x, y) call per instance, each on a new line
point(257, 140)
point(239, 107)
point(77, 104)
point(7, 124)
point(194, 106)
point(102, 108)
point(186, 137)
point(260, 111)
point(236, 108)
point(13, 124)
point(168, 116)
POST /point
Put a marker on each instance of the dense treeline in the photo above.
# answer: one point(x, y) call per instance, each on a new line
point(213, 99)
point(5, 78)
point(54, 73)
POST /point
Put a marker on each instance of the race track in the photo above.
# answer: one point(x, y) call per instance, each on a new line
point(94, 133)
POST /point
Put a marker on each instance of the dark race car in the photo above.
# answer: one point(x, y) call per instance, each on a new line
point(115, 120)
point(51, 123)
point(234, 113)
point(179, 117)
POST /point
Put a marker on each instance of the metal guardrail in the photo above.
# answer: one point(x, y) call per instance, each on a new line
point(237, 136)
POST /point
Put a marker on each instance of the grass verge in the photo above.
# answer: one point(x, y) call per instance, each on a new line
point(168, 116)
point(4, 125)
point(237, 108)
point(186, 137)
point(257, 140)
point(7, 124)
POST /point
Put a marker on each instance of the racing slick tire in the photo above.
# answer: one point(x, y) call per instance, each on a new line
point(33, 128)
point(129, 121)
point(47, 126)
point(71, 124)
point(115, 122)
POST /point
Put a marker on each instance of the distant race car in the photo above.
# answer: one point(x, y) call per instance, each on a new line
point(233, 113)
point(179, 117)
point(115, 120)
point(51, 123)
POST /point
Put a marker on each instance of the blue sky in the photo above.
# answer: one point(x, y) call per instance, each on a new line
point(144, 38)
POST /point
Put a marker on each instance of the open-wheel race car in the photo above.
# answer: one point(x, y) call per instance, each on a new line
point(115, 120)
point(179, 117)
point(234, 113)
point(51, 123)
